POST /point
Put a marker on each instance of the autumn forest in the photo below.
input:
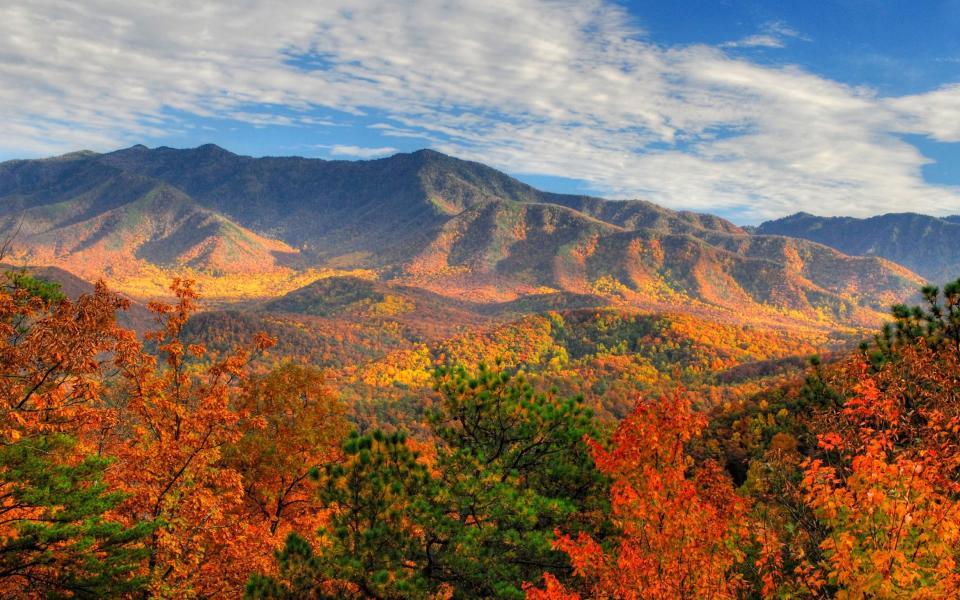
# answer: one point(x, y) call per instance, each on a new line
point(152, 466)
point(230, 377)
point(473, 299)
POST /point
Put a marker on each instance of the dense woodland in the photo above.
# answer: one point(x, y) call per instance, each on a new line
point(584, 455)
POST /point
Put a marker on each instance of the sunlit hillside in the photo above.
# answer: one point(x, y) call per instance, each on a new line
point(472, 300)
point(250, 229)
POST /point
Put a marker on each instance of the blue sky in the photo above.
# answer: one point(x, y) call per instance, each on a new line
point(751, 110)
point(895, 47)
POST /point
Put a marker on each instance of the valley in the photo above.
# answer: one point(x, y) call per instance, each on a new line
point(378, 271)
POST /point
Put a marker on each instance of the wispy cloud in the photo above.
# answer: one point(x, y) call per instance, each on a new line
point(936, 114)
point(760, 40)
point(774, 34)
point(782, 29)
point(360, 152)
point(566, 87)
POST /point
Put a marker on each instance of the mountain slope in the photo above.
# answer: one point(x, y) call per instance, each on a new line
point(454, 228)
point(361, 213)
point(930, 246)
point(639, 214)
point(505, 250)
point(377, 212)
point(94, 219)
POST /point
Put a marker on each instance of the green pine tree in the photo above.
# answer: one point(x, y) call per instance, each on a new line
point(511, 467)
point(936, 323)
point(514, 467)
point(55, 538)
point(59, 544)
point(376, 499)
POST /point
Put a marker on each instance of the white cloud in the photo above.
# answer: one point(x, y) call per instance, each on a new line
point(359, 152)
point(774, 35)
point(936, 114)
point(564, 87)
point(756, 41)
point(782, 29)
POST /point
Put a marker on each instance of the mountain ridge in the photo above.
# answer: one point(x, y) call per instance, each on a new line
point(928, 245)
point(455, 228)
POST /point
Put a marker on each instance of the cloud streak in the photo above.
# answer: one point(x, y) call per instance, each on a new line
point(760, 40)
point(360, 152)
point(568, 88)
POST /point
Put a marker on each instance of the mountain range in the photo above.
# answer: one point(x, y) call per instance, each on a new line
point(930, 246)
point(453, 229)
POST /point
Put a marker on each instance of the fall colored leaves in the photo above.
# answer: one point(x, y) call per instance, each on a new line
point(177, 476)
point(677, 535)
point(158, 468)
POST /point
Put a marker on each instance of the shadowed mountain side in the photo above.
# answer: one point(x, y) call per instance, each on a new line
point(930, 246)
point(374, 213)
point(364, 213)
point(112, 222)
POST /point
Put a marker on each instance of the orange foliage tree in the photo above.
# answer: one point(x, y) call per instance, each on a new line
point(682, 534)
point(56, 537)
point(130, 466)
point(169, 425)
point(887, 486)
point(52, 352)
point(303, 425)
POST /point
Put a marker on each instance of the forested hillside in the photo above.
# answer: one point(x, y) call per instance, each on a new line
point(579, 454)
point(258, 228)
point(930, 246)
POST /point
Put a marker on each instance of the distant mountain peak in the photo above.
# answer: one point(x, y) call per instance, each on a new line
point(206, 149)
point(429, 152)
point(927, 245)
point(78, 155)
point(135, 149)
point(213, 149)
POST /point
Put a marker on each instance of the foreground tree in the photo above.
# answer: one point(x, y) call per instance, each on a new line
point(936, 323)
point(682, 531)
point(513, 466)
point(57, 537)
point(371, 547)
point(170, 423)
point(887, 486)
point(476, 521)
point(867, 499)
point(300, 427)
